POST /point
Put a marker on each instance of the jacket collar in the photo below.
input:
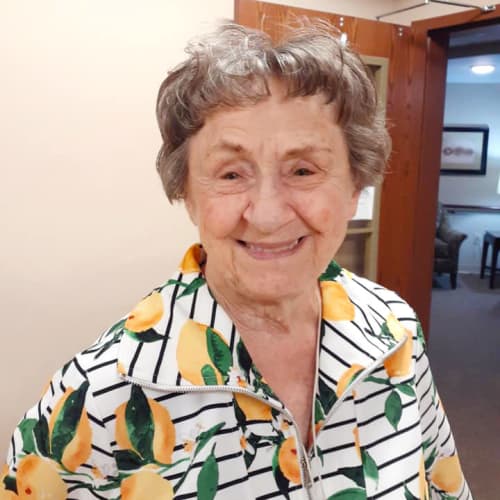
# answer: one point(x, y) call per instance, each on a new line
point(179, 338)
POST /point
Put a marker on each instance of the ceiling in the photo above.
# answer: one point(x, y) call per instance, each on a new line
point(480, 45)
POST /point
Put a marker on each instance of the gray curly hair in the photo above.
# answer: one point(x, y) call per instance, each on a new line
point(232, 67)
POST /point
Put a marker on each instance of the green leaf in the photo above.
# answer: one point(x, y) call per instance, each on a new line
point(192, 287)
point(318, 412)
point(393, 409)
point(67, 421)
point(430, 459)
point(149, 335)
point(327, 396)
point(128, 460)
point(281, 481)
point(139, 421)
point(209, 375)
point(349, 494)
point(208, 478)
point(249, 458)
point(354, 474)
point(10, 484)
point(331, 272)
point(378, 380)
point(116, 328)
point(369, 466)
point(26, 428)
point(244, 359)
point(409, 495)
point(219, 352)
point(205, 436)
point(41, 433)
point(406, 388)
point(420, 335)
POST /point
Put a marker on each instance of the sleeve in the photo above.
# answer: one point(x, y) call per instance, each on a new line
point(60, 449)
point(442, 465)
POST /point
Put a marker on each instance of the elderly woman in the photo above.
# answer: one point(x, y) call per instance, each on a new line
point(262, 369)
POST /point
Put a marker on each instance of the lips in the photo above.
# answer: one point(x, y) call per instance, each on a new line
point(270, 250)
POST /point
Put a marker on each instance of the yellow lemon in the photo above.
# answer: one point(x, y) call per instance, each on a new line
point(192, 352)
point(422, 481)
point(37, 478)
point(146, 484)
point(192, 259)
point(447, 474)
point(398, 331)
point(288, 460)
point(78, 450)
point(164, 431)
point(346, 377)
point(336, 303)
point(399, 364)
point(253, 409)
point(145, 314)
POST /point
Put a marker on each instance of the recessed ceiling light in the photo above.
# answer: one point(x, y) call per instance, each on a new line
point(482, 69)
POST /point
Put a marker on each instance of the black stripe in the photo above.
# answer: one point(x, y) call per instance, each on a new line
point(110, 388)
point(395, 487)
point(102, 365)
point(201, 410)
point(378, 313)
point(52, 388)
point(96, 420)
point(100, 450)
point(335, 356)
point(401, 457)
point(232, 339)
point(393, 435)
point(348, 340)
point(214, 313)
point(381, 415)
point(193, 303)
point(339, 424)
point(338, 448)
point(443, 443)
point(135, 358)
point(167, 331)
point(370, 292)
point(79, 368)
point(373, 395)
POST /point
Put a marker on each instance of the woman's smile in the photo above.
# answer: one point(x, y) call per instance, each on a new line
point(267, 251)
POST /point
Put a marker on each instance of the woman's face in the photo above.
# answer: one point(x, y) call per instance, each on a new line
point(270, 189)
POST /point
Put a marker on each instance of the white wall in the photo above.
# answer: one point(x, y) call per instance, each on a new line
point(474, 104)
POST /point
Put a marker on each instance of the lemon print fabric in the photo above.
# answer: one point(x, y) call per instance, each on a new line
point(347, 377)
point(70, 433)
point(288, 460)
point(192, 260)
point(146, 484)
point(252, 408)
point(145, 314)
point(144, 427)
point(38, 478)
point(399, 364)
point(447, 474)
point(336, 303)
point(203, 355)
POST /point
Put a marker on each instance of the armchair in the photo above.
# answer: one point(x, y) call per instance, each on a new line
point(446, 246)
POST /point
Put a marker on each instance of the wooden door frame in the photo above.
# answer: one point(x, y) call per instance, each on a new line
point(430, 52)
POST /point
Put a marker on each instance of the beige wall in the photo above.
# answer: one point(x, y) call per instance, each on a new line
point(85, 228)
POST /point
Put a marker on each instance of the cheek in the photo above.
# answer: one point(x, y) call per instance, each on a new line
point(219, 218)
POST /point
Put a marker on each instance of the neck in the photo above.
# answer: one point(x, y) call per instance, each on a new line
point(279, 316)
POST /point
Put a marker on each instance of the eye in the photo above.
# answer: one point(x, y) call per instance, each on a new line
point(301, 172)
point(230, 176)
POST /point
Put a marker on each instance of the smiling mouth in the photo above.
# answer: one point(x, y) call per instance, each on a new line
point(271, 250)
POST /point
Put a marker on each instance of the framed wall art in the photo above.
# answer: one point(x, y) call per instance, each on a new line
point(464, 149)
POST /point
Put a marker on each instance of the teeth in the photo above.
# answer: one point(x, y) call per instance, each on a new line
point(284, 248)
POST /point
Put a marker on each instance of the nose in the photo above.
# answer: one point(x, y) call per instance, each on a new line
point(269, 208)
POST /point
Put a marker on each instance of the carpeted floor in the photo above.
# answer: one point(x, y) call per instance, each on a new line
point(464, 349)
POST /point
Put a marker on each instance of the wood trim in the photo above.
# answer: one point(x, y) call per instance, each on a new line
point(471, 208)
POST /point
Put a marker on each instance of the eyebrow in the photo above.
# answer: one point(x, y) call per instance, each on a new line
point(235, 147)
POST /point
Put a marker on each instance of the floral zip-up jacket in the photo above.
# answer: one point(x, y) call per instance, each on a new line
point(168, 404)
